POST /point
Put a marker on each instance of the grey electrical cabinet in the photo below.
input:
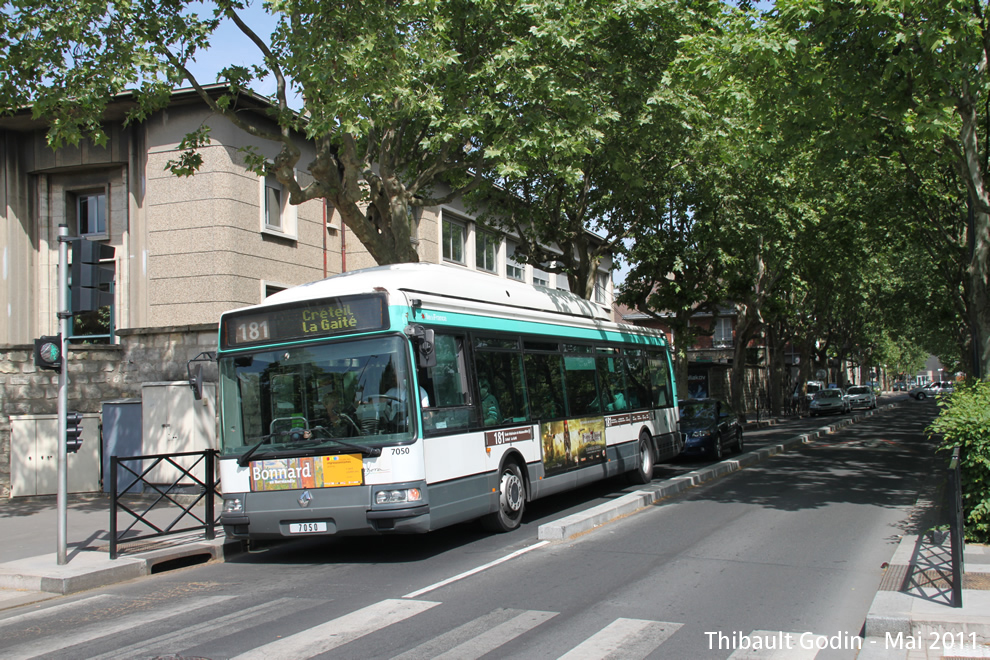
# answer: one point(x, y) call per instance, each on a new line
point(122, 437)
point(174, 421)
point(34, 456)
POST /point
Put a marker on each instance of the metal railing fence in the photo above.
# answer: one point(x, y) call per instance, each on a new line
point(956, 528)
point(203, 488)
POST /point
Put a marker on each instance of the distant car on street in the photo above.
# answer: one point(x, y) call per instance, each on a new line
point(900, 386)
point(861, 396)
point(812, 387)
point(828, 401)
point(709, 427)
point(932, 390)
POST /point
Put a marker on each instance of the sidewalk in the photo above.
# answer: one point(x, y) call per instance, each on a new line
point(29, 569)
point(911, 615)
point(912, 603)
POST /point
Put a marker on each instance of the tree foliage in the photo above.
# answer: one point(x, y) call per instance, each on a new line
point(964, 421)
point(408, 104)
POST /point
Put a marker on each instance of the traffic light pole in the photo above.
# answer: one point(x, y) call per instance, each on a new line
point(63, 390)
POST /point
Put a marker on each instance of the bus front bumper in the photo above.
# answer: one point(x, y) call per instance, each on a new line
point(328, 511)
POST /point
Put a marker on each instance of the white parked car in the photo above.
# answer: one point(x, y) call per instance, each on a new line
point(861, 396)
point(832, 400)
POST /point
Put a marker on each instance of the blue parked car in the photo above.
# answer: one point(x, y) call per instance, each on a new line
point(709, 428)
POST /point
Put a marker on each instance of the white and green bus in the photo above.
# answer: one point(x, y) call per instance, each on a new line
point(402, 399)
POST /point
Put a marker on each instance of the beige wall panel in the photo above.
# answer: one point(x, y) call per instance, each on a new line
point(226, 263)
point(85, 154)
point(20, 298)
point(168, 128)
point(429, 237)
point(164, 315)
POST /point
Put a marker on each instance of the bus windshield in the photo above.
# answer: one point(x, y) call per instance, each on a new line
point(331, 396)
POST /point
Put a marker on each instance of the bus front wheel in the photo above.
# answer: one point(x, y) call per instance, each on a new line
point(511, 501)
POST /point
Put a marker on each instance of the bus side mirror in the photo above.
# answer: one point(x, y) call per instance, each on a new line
point(423, 339)
point(196, 382)
point(196, 374)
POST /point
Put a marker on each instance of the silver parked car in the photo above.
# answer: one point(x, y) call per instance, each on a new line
point(861, 396)
point(832, 400)
point(932, 390)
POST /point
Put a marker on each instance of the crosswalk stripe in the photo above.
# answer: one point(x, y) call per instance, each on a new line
point(775, 645)
point(226, 625)
point(48, 611)
point(326, 636)
point(623, 639)
point(58, 642)
point(476, 638)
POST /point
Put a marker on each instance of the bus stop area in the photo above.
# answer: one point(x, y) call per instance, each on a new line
point(912, 600)
point(29, 568)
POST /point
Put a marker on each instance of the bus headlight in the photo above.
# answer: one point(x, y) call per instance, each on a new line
point(233, 505)
point(398, 496)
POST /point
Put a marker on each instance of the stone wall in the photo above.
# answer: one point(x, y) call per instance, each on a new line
point(97, 373)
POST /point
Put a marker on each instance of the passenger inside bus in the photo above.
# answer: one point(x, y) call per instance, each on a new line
point(340, 407)
point(340, 423)
point(489, 404)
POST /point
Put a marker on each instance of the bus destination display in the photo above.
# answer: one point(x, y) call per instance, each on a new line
point(323, 318)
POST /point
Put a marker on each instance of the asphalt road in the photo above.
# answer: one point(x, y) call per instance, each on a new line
point(792, 546)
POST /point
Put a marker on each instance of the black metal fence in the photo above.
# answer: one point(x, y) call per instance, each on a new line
point(179, 498)
point(956, 529)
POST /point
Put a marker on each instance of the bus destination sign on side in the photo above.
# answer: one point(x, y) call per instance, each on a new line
point(321, 318)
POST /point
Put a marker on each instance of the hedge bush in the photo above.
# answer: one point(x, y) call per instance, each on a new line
point(964, 420)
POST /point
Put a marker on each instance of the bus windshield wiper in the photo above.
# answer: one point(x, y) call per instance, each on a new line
point(245, 458)
point(364, 451)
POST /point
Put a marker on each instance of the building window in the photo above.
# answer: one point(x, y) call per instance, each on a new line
point(486, 251)
point(91, 213)
point(278, 217)
point(541, 278)
point(273, 203)
point(95, 326)
point(723, 332)
point(453, 241)
point(513, 269)
point(272, 289)
point(601, 288)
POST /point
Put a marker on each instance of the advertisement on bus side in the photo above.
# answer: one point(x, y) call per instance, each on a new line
point(572, 443)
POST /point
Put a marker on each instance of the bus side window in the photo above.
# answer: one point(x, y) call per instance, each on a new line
point(449, 377)
point(502, 373)
point(660, 379)
point(637, 380)
point(611, 382)
point(579, 379)
point(544, 385)
point(447, 388)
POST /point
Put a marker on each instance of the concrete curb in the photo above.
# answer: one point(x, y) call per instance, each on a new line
point(89, 569)
point(578, 523)
point(897, 612)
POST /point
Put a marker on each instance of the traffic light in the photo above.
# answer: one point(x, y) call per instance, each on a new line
point(91, 275)
point(48, 353)
point(73, 431)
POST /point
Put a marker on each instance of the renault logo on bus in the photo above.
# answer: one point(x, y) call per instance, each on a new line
point(305, 499)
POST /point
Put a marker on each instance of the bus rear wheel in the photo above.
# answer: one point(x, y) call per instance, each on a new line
point(511, 501)
point(643, 474)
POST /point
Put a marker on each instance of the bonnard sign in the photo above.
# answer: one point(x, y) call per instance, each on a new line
point(307, 472)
